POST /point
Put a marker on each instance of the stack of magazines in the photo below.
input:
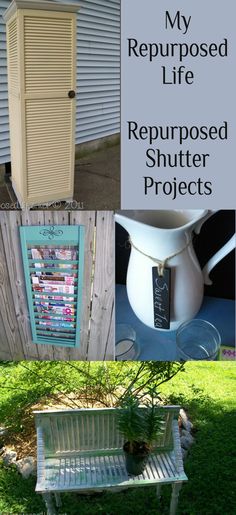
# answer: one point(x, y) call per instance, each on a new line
point(54, 292)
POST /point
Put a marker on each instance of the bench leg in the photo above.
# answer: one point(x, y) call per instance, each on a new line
point(47, 497)
point(58, 499)
point(158, 491)
point(176, 487)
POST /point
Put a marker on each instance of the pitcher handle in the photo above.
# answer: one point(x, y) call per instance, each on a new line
point(208, 215)
point(226, 249)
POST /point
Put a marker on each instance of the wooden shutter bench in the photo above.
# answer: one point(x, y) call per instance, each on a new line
point(80, 450)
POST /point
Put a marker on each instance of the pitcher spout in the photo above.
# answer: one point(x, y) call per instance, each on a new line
point(161, 232)
point(125, 219)
point(175, 220)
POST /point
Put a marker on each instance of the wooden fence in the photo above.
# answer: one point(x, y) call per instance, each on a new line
point(97, 321)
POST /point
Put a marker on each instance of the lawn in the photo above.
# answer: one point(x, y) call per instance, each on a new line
point(206, 390)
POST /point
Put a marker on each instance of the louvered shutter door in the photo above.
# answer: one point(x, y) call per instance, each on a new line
point(43, 168)
point(49, 120)
point(53, 260)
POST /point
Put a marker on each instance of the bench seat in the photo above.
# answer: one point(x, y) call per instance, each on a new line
point(83, 472)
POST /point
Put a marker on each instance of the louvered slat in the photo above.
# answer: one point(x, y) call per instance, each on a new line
point(13, 55)
point(104, 471)
point(97, 430)
point(48, 143)
point(48, 54)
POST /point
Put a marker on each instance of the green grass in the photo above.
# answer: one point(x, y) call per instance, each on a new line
point(208, 392)
point(17, 495)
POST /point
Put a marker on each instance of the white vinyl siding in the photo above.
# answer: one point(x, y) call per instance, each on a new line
point(4, 123)
point(98, 72)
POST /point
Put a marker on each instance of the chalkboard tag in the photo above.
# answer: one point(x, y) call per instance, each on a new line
point(161, 298)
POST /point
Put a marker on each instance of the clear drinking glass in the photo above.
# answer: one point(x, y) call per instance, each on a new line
point(197, 340)
point(127, 347)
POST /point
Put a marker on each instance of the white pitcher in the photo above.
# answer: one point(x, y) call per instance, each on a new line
point(163, 239)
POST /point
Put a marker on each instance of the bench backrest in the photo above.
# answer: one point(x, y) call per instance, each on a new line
point(68, 431)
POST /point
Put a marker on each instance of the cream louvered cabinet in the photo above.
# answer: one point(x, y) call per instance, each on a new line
point(41, 48)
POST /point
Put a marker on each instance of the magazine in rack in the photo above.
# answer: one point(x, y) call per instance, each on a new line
point(54, 292)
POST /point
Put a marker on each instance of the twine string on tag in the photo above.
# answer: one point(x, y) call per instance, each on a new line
point(161, 263)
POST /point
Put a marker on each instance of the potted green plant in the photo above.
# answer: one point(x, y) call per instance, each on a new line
point(140, 426)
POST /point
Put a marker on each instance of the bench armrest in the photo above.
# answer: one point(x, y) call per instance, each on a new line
point(177, 447)
point(40, 456)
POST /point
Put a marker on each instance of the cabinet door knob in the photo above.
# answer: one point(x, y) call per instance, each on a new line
point(71, 94)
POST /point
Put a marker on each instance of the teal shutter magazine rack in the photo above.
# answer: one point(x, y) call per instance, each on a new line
point(53, 260)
